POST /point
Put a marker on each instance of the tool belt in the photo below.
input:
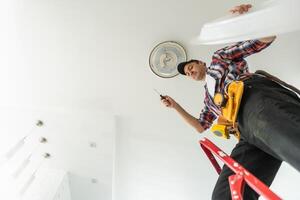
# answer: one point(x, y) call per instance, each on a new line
point(229, 102)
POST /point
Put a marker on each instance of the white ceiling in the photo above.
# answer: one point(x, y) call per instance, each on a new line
point(92, 55)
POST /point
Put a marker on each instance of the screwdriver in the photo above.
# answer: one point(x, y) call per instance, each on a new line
point(161, 96)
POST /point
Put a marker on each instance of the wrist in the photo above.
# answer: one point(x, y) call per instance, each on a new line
point(177, 106)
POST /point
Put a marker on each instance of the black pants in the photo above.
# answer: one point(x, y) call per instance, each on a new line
point(269, 122)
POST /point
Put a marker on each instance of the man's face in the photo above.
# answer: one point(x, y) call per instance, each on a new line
point(195, 70)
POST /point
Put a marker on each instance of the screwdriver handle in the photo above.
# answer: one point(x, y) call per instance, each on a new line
point(162, 97)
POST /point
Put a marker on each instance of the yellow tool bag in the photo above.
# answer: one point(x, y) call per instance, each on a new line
point(230, 104)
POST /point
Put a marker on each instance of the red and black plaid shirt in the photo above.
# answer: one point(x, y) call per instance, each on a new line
point(227, 64)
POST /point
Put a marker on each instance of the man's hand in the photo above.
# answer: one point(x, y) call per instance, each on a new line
point(241, 9)
point(169, 102)
point(268, 39)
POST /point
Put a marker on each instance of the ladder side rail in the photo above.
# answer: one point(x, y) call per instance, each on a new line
point(250, 179)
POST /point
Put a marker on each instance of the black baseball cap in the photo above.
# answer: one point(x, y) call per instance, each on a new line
point(180, 66)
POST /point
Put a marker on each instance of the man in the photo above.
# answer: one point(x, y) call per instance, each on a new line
point(268, 118)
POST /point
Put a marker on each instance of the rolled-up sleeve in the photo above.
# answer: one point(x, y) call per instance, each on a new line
point(206, 118)
point(241, 50)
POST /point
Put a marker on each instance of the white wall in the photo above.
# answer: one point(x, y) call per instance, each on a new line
point(80, 142)
point(49, 184)
point(93, 54)
point(63, 191)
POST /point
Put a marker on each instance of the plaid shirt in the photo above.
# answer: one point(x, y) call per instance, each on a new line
point(227, 65)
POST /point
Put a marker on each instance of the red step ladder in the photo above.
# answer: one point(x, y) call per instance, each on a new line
point(236, 181)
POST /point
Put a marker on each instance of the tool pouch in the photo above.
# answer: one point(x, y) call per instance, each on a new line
point(229, 103)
